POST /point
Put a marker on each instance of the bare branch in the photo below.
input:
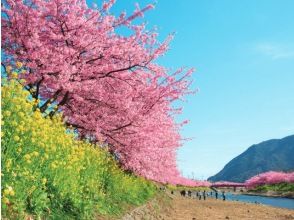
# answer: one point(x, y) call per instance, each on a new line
point(44, 107)
point(121, 127)
point(36, 93)
point(94, 59)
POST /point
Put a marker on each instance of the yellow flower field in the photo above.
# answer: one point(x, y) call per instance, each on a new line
point(46, 171)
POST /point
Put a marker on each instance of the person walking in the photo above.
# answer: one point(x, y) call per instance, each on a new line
point(216, 194)
point(223, 194)
point(189, 193)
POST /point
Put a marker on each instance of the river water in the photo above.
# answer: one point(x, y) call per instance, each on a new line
point(272, 201)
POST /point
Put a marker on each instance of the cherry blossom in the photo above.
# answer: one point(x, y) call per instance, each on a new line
point(108, 85)
point(271, 177)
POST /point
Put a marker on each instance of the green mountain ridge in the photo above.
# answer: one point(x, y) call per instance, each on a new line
point(274, 154)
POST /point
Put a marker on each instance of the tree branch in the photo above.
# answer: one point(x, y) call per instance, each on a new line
point(62, 102)
point(50, 100)
point(121, 127)
point(94, 59)
point(119, 70)
point(36, 93)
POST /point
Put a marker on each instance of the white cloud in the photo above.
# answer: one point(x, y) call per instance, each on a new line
point(275, 51)
point(287, 128)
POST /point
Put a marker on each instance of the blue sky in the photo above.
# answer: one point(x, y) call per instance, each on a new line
point(243, 52)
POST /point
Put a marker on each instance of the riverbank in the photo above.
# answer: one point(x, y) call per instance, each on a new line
point(281, 190)
point(216, 209)
point(260, 192)
point(275, 194)
point(175, 207)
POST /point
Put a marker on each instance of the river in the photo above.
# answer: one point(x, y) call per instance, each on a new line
point(272, 201)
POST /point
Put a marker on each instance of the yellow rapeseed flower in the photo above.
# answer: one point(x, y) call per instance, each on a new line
point(21, 128)
point(18, 64)
point(14, 75)
point(8, 163)
point(33, 188)
point(27, 156)
point(9, 191)
point(27, 105)
point(21, 114)
point(35, 153)
point(5, 200)
point(12, 193)
point(54, 166)
point(16, 138)
point(7, 113)
point(44, 181)
point(8, 69)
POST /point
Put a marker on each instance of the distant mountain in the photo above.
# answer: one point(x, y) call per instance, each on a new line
point(276, 155)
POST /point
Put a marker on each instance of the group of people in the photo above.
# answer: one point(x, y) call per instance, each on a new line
point(203, 195)
point(199, 194)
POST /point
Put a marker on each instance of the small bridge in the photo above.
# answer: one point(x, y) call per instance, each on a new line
point(228, 185)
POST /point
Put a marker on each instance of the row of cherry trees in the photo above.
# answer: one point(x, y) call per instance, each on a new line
point(271, 177)
point(108, 85)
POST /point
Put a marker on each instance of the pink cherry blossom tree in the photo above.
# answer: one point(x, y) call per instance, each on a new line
point(270, 177)
point(108, 85)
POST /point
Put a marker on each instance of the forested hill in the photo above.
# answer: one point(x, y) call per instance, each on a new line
point(275, 154)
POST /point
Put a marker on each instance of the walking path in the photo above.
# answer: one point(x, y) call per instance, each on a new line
point(185, 209)
point(177, 207)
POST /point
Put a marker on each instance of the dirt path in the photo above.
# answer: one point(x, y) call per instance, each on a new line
point(185, 209)
point(182, 208)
